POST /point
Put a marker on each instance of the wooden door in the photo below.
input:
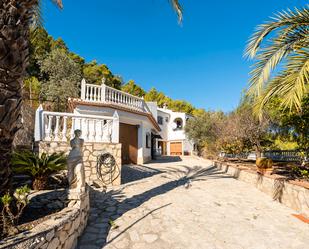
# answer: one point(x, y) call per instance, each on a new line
point(128, 139)
point(164, 149)
point(176, 148)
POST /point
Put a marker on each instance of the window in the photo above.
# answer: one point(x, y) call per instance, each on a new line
point(148, 140)
point(177, 124)
point(166, 119)
point(160, 120)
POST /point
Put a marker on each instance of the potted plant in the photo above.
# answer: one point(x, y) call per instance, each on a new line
point(264, 165)
point(39, 167)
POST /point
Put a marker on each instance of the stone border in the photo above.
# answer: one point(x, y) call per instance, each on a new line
point(60, 231)
point(292, 194)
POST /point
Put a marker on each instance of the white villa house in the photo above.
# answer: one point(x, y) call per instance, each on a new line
point(107, 115)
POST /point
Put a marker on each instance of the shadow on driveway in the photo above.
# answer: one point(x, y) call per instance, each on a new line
point(108, 207)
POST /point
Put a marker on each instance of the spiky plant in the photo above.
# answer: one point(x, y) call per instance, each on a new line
point(16, 16)
point(280, 48)
point(38, 167)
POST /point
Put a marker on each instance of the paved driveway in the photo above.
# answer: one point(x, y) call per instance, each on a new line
point(187, 204)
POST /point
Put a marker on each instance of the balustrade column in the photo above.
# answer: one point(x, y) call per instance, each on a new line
point(92, 132)
point(99, 136)
point(86, 132)
point(48, 131)
point(64, 129)
point(103, 89)
point(56, 131)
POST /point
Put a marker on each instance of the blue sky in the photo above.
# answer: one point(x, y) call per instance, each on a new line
point(200, 61)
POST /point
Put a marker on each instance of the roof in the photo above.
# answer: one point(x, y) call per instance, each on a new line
point(73, 102)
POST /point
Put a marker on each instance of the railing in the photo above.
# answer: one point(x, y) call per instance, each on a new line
point(284, 155)
point(60, 126)
point(275, 155)
point(106, 94)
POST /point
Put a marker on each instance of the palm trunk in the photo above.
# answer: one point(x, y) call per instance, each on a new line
point(15, 18)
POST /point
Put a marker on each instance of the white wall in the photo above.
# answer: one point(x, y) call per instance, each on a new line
point(176, 134)
point(153, 107)
point(165, 125)
point(144, 153)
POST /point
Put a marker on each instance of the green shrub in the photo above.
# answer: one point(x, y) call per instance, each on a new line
point(12, 209)
point(301, 172)
point(39, 167)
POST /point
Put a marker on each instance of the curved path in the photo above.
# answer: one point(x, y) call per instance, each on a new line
point(187, 204)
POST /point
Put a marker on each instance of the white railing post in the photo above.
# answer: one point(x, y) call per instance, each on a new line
point(103, 89)
point(115, 128)
point(48, 132)
point(64, 130)
point(83, 89)
point(38, 125)
point(56, 131)
point(92, 130)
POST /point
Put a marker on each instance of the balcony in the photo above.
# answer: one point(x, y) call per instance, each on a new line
point(107, 95)
point(60, 127)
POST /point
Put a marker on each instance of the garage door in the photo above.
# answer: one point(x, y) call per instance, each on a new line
point(176, 148)
point(128, 139)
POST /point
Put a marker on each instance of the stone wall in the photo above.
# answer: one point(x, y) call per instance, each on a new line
point(60, 231)
point(293, 194)
point(90, 152)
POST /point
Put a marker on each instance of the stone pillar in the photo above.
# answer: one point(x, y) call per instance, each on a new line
point(83, 89)
point(140, 144)
point(38, 125)
point(115, 128)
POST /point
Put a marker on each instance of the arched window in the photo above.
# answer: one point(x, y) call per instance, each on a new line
point(178, 124)
point(160, 120)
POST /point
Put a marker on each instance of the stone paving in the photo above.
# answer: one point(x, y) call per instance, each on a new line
point(189, 204)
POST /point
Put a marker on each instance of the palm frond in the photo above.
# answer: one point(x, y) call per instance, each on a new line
point(298, 17)
point(37, 13)
point(178, 9)
point(291, 86)
point(58, 3)
point(271, 56)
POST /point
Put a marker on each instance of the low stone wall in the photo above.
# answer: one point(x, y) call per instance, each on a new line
point(90, 153)
point(293, 194)
point(48, 200)
point(60, 231)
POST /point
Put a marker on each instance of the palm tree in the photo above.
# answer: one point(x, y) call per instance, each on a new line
point(280, 48)
point(15, 20)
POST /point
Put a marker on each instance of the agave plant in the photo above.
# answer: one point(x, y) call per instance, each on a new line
point(38, 166)
point(282, 43)
point(15, 20)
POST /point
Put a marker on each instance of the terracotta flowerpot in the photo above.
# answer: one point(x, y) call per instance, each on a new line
point(265, 171)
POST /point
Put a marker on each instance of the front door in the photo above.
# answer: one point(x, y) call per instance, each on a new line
point(128, 139)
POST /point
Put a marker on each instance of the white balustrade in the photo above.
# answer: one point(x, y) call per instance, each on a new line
point(59, 126)
point(105, 94)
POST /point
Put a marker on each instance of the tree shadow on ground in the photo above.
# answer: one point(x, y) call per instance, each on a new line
point(108, 207)
point(165, 159)
point(131, 173)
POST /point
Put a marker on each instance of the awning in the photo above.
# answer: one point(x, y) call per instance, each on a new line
point(156, 136)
